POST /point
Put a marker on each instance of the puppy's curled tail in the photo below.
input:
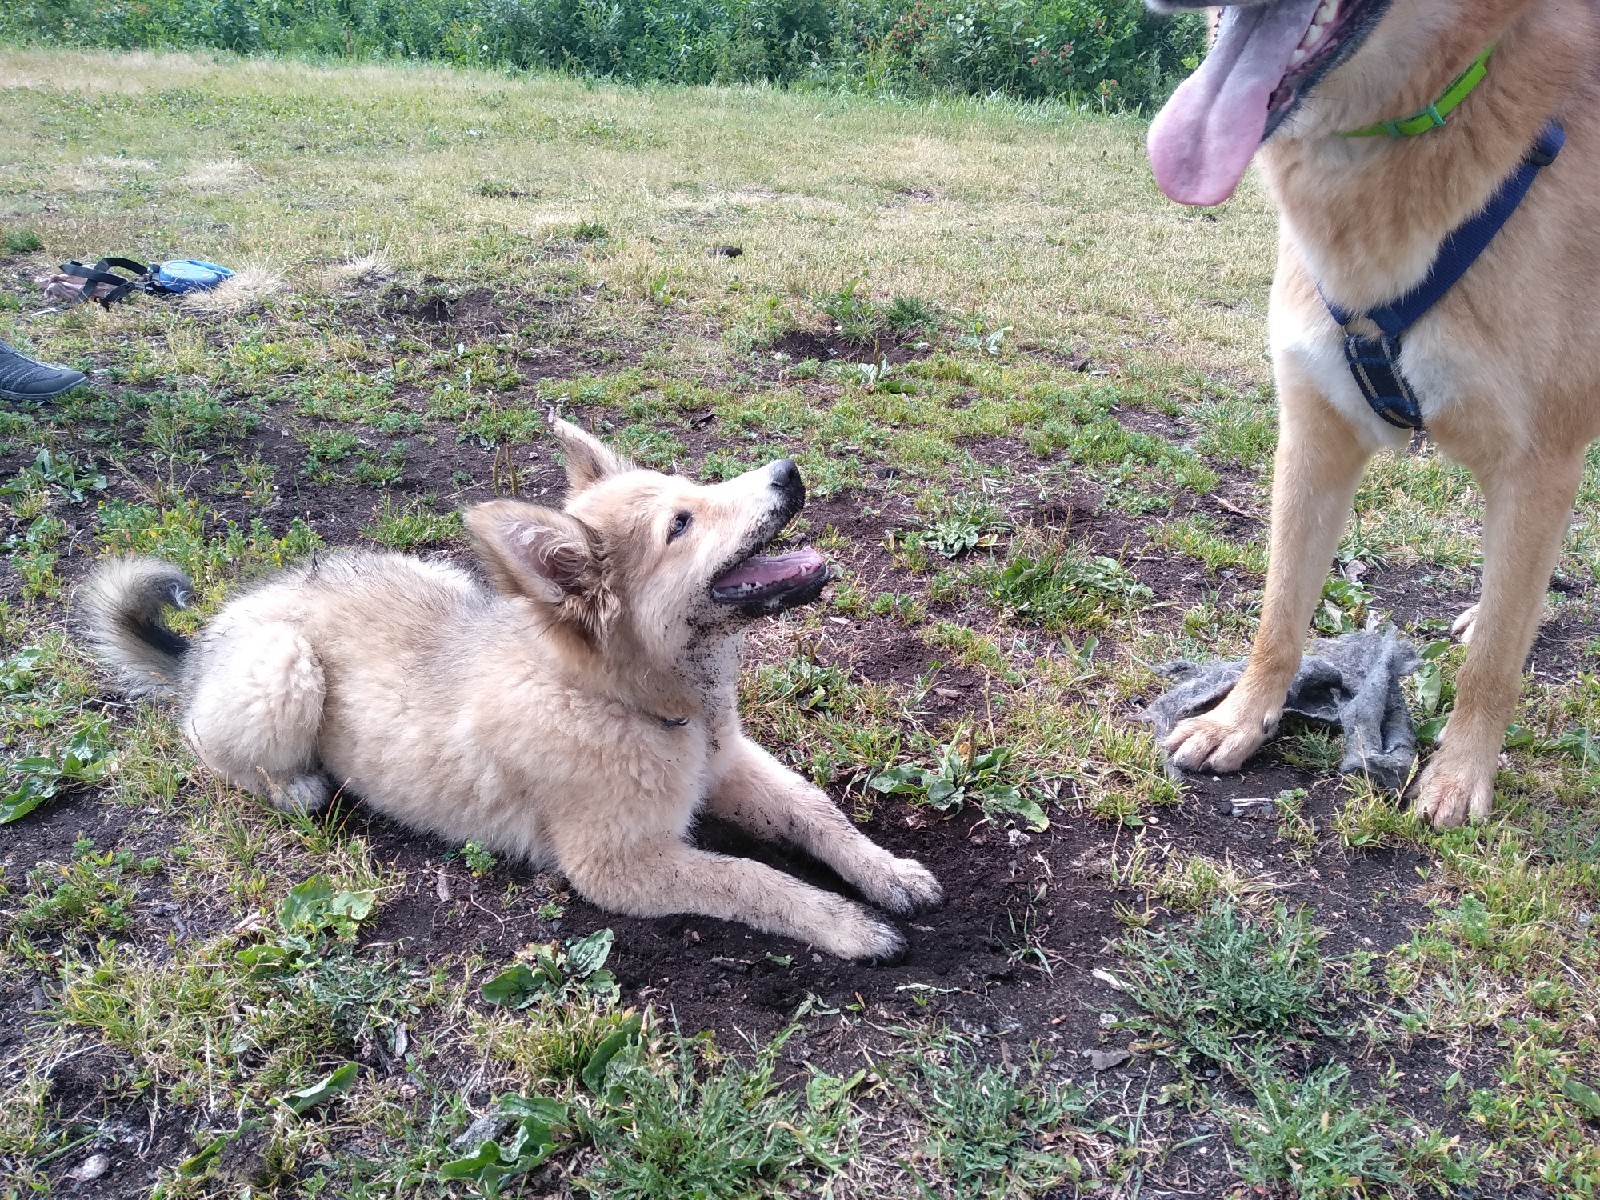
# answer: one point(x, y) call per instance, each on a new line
point(121, 607)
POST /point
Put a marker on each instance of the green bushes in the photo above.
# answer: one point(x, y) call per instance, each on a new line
point(1102, 51)
point(1099, 50)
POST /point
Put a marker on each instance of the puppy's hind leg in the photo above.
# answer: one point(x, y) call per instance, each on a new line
point(255, 713)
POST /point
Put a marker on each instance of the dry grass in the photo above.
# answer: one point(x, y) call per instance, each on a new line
point(222, 175)
point(362, 271)
point(359, 207)
point(1036, 217)
point(249, 288)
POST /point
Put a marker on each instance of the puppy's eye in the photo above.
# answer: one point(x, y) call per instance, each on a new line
point(680, 523)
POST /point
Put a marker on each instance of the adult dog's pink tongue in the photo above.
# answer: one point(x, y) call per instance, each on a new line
point(1203, 140)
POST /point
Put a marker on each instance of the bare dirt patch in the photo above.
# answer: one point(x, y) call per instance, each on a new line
point(825, 346)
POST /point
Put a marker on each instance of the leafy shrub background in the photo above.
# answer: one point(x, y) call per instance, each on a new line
point(1103, 52)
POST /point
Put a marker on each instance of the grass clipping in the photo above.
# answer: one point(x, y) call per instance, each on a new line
point(248, 289)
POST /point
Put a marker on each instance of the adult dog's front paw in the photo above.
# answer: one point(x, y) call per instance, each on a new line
point(1215, 741)
point(1449, 797)
point(904, 887)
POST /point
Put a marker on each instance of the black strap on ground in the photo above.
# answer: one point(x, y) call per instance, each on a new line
point(104, 272)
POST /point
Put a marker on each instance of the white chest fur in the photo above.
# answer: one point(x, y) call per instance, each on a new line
point(1446, 371)
point(1311, 347)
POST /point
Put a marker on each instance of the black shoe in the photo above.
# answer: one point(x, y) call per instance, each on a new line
point(23, 378)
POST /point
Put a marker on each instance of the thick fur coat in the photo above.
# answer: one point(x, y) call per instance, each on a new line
point(579, 713)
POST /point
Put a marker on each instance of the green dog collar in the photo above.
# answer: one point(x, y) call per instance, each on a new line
point(1434, 115)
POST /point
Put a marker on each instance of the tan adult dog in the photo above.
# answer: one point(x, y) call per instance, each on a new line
point(1506, 367)
point(579, 713)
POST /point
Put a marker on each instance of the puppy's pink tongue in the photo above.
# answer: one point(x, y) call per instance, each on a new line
point(1203, 140)
point(762, 570)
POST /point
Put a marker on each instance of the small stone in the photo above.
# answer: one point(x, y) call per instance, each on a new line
point(90, 1168)
point(1104, 1060)
point(1253, 806)
point(485, 1129)
point(1107, 978)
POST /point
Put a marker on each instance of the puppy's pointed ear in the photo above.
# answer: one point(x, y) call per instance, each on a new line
point(588, 459)
point(549, 557)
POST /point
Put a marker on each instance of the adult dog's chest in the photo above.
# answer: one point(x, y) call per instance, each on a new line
point(1456, 374)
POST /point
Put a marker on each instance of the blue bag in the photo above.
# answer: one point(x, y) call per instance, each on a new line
point(173, 278)
point(186, 275)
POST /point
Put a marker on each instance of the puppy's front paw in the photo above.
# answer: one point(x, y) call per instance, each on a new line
point(904, 887)
point(1449, 798)
point(858, 935)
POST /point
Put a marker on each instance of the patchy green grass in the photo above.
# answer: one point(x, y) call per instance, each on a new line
point(725, 1133)
point(1316, 1138)
point(993, 1130)
point(1223, 985)
point(413, 525)
point(1030, 401)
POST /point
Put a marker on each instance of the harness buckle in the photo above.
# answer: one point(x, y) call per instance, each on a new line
point(1375, 362)
point(1548, 146)
point(1375, 365)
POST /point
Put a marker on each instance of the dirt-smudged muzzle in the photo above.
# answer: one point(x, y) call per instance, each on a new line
point(760, 583)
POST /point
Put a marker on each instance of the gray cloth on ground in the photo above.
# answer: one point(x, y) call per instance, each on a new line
point(1352, 680)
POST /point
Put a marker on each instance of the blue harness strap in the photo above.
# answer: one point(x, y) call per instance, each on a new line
point(1375, 361)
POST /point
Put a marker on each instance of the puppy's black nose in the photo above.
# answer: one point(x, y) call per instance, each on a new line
point(786, 477)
